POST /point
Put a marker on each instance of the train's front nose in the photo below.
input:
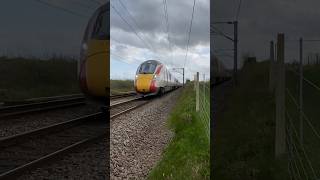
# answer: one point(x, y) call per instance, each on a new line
point(144, 83)
point(97, 67)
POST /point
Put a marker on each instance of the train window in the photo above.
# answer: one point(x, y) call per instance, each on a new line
point(147, 68)
point(101, 27)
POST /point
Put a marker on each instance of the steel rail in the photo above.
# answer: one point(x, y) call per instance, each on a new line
point(6, 111)
point(49, 131)
point(16, 172)
point(117, 96)
point(7, 141)
point(112, 105)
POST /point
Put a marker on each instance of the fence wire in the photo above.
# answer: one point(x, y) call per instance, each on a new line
point(303, 146)
point(204, 106)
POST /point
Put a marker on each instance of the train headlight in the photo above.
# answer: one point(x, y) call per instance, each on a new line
point(84, 50)
point(85, 46)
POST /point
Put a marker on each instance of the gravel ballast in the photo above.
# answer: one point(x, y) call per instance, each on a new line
point(87, 163)
point(139, 138)
point(28, 122)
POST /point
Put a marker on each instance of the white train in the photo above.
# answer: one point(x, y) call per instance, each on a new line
point(153, 77)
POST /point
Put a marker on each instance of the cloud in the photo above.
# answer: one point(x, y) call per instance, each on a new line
point(260, 21)
point(149, 23)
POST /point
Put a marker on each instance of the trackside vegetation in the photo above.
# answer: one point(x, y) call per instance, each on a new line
point(244, 131)
point(23, 78)
point(118, 86)
point(187, 156)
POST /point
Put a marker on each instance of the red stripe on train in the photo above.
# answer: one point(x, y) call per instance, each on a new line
point(159, 69)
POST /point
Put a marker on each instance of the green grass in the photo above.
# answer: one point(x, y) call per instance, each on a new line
point(25, 78)
point(118, 86)
point(204, 103)
point(311, 106)
point(244, 132)
point(187, 156)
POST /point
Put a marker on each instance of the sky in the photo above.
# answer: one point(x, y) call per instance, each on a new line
point(32, 28)
point(147, 37)
point(261, 20)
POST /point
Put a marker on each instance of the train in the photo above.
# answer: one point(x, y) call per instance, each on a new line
point(154, 78)
point(220, 73)
point(93, 65)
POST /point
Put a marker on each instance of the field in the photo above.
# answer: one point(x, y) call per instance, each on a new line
point(187, 156)
point(118, 86)
point(244, 132)
point(307, 163)
point(27, 78)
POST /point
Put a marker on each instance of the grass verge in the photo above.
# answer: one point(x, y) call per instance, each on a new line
point(23, 78)
point(244, 131)
point(307, 163)
point(187, 156)
point(118, 86)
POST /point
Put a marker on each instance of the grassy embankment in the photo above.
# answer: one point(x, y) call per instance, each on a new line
point(244, 131)
point(25, 78)
point(311, 106)
point(118, 86)
point(187, 155)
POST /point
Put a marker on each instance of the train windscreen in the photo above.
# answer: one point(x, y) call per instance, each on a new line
point(101, 28)
point(147, 68)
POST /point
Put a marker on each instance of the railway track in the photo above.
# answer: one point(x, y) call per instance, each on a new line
point(122, 95)
point(26, 151)
point(41, 105)
point(122, 107)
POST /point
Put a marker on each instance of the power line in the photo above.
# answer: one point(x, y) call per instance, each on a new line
point(238, 11)
point(62, 8)
point(122, 59)
point(129, 26)
point(167, 24)
point(133, 19)
point(194, 3)
point(219, 32)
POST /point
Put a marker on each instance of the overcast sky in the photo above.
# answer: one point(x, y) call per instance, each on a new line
point(31, 28)
point(128, 50)
point(261, 20)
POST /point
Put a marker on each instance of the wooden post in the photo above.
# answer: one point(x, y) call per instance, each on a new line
point(204, 86)
point(280, 138)
point(197, 93)
point(235, 52)
point(271, 70)
point(183, 77)
point(300, 89)
point(195, 81)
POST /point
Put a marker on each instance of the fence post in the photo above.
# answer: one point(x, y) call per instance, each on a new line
point(280, 143)
point(300, 89)
point(197, 93)
point(204, 87)
point(271, 71)
point(195, 81)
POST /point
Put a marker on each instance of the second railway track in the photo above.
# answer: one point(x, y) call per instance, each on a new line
point(25, 108)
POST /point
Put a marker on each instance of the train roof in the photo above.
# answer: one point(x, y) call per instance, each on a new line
point(152, 61)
